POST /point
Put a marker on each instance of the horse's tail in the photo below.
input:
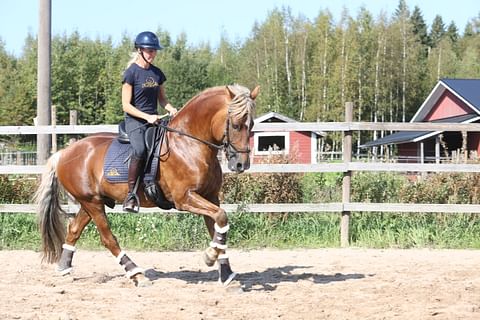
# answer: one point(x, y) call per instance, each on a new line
point(50, 213)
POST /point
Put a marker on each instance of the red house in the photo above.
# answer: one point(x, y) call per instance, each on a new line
point(451, 100)
point(298, 146)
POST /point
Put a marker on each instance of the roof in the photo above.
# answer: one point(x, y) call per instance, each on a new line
point(467, 90)
point(277, 117)
point(415, 136)
point(273, 117)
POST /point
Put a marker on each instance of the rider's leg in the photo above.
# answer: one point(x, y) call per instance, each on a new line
point(136, 134)
point(135, 170)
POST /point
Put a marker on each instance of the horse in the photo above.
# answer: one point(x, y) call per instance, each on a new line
point(189, 175)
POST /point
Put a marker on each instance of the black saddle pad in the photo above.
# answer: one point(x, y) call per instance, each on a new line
point(115, 167)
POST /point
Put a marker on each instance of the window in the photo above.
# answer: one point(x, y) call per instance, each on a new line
point(271, 143)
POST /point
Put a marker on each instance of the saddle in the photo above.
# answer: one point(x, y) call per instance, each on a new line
point(120, 151)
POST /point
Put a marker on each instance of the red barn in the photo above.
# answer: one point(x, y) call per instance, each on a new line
point(452, 100)
point(298, 146)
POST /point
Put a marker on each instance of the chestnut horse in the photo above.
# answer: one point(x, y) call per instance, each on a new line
point(190, 177)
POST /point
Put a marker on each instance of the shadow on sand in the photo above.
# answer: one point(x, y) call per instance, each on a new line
point(266, 280)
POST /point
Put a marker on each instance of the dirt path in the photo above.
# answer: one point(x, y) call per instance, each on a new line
point(293, 284)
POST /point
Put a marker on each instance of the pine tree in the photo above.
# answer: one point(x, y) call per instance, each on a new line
point(437, 31)
point(419, 27)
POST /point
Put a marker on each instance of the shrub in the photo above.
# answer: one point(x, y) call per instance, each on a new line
point(377, 187)
point(16, 189)
point(262, 187)
point(443, 188)
point(322, 187)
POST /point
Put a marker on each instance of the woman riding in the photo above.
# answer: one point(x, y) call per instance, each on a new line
point(142, 88)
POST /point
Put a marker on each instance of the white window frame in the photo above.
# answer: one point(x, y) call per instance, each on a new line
point(286, 136)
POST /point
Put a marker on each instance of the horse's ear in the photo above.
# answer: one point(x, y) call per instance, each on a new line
point(255, 92)
point(229, 92)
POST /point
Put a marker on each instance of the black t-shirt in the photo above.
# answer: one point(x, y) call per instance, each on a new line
point(145, 83)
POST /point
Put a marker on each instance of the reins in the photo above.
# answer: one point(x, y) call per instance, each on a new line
point(238, 100)
point(208, 143)
point(166, 127)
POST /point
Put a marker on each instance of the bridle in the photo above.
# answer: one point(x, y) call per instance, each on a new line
point(230, 150)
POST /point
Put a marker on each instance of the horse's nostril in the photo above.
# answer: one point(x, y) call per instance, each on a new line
point(240, 167)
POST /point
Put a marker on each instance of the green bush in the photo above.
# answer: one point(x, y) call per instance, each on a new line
point(377, 187)
point(322, 187)
point(252, 230)
point(443, 188)
point(262, 187)
point(17, 189)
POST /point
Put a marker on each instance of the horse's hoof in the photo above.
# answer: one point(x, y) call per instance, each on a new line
point(210, 255)
point(234, 287)
point(228, 280)
point(141, 281)
point(64, 272)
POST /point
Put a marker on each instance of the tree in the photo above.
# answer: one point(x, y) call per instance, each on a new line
point(437, 31)
point(323, 53)
point(419, 27)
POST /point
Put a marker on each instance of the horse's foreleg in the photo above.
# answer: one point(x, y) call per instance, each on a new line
point(74, 230)
point(216, 217)
point(210, 255)
point(99, 217)
point(219, 244)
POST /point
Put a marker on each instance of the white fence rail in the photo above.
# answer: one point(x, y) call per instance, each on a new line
point(331, 207)
point(347, 167)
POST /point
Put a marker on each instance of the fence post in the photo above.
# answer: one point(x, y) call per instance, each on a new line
point(54, 124)
point(347, 177)
point(44, 77)
point(73, 119)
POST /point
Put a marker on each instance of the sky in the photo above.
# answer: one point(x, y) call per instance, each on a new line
point(201, 20)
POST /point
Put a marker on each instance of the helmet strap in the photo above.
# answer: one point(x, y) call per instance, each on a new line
point(143, 57)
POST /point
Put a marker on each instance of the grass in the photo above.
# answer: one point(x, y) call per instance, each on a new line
point(249, 231)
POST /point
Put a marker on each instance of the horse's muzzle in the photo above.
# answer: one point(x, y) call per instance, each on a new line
point(236, 164)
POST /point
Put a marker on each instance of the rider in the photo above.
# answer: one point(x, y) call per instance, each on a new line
point(142, 88)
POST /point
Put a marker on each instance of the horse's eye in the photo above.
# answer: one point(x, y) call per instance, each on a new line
point(236, 127)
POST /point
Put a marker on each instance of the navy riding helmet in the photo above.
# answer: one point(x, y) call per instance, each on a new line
point(147, 40)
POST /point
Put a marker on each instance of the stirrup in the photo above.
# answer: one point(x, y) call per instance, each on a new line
point(135, 208)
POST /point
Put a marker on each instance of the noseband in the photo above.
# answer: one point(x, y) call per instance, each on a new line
point(229, 148)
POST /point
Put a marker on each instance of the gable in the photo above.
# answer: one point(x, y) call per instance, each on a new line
point(466, 89)
point(447, 106)
point(463, 92)
point(273, 117)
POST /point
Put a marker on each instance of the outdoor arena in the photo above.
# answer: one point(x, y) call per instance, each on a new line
point(289, 284)
point(343, 283)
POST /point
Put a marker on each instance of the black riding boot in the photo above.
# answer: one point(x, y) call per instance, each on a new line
point(131, 203)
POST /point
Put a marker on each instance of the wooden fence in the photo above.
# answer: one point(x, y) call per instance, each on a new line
point(346, 167)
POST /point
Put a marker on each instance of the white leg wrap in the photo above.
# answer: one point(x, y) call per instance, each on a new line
point(69, 247)
point(229, 279)
point(221, 229)
point(217, 245)
point(134, 271)
point(120, 256)
point(223, 256)
point(65, 271)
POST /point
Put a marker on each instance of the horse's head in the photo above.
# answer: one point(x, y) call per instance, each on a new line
point(240, 114)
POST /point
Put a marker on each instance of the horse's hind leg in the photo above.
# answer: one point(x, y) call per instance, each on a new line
point(99, 217)
point(74, 230)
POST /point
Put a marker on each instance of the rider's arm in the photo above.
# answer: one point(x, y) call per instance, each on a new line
point(162, 99)
point(127, 90)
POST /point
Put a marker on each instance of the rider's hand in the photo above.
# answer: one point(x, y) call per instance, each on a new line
point(152, 118)
point(171, 109)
